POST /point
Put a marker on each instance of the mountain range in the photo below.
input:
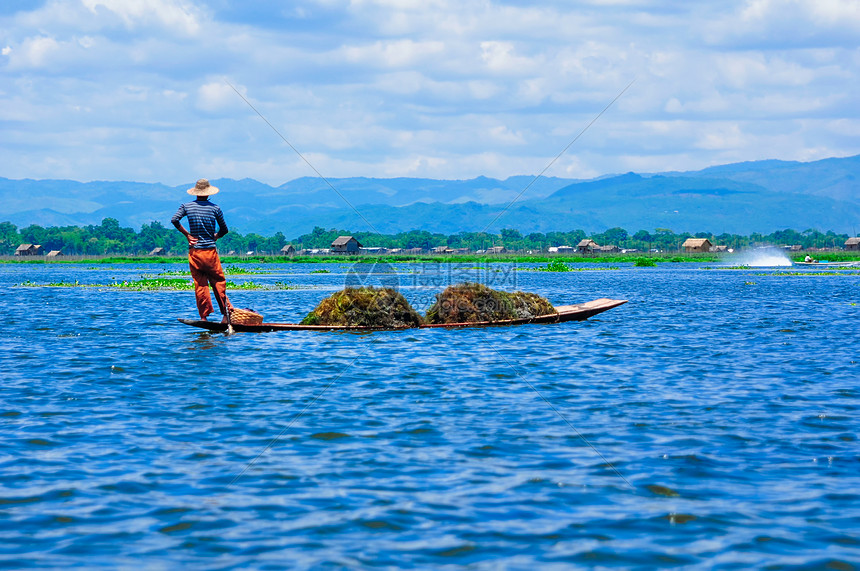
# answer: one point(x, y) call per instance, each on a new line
point(759, 196)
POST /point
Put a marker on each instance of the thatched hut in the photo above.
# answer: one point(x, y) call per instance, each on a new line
point(696, 245)
point(345, 245)
point(587, 246)
point(28, 250)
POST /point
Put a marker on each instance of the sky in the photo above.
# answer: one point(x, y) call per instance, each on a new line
point(446, 89)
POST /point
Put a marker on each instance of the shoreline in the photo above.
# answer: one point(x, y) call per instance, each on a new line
point(665, 257)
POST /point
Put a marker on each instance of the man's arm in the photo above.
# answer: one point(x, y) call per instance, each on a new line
point(222, 225)
point(178, 225)
point(191, 239)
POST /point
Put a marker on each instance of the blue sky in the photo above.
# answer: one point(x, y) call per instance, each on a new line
point(131, 90)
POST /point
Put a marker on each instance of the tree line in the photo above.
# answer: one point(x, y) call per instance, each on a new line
point(109, 238)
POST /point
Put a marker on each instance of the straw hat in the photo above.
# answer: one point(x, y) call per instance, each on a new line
point(203, 188)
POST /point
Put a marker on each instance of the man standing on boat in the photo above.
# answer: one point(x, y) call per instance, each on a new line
point(203, 216)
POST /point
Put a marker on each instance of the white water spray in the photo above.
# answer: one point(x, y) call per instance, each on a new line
point(762, 258)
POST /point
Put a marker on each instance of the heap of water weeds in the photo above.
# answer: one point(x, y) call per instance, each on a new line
point(472, 302)
point(365, 307)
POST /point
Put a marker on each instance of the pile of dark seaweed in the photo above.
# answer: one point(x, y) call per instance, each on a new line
point(472, 302)
point(462, 303)
point(365, 307)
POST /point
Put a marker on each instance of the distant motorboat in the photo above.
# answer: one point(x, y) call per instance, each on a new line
point(826, 264)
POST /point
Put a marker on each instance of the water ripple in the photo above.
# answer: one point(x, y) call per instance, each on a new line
point(729, 408)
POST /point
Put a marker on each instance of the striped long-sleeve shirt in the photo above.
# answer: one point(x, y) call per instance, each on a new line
point(203, 216)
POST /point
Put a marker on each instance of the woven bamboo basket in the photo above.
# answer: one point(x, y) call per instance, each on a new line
point(245, 316)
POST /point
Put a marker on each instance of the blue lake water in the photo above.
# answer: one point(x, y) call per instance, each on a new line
point(711, 422)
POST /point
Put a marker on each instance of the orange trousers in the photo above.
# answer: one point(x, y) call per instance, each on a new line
point(205, 270)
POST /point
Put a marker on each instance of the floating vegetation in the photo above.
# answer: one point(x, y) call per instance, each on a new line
point(645, 263)
point(237, 270)
point(556, 266)
point(228, 270)
point(250, 285)
point(827, 273)
point(75, 283)
point(146, 283)
point(160, 284)
point(169, 273)
point(679, 518)
point(471, 302)
point(320, 271)
point(366, 307)
point(560, 266)
point(664, 491)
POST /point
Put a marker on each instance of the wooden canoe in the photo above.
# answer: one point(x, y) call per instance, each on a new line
point(578, 312)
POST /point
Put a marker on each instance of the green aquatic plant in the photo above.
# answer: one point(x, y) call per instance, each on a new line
point(160, 284)
point(425, 258)
point(556, 266)
point(644, 263)
point(228, 270)
point(559, 266)
point(365, 307)
point(472, 302)
point(28, 283)
point(238, 271)
point(804, 274)
point(144, 284)
point(323, 271)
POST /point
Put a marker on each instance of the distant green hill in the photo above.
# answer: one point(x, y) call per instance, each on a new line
point(760, 196)
point(838, 179)
point(684, 203)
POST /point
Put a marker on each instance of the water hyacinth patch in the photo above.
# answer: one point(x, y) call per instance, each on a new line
point(560, 266)
point(556, 266)
point(160, 284)
point(228, 270)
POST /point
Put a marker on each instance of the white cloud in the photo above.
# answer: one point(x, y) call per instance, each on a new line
point(446, 88)
point(721, 137)
point(173, 14)
point(501, 57)
point(789, 23)
point(504, 135)
point(218, 96)
point(803, 13)
point(399, 53)
point(674, 106)
point(37, 52)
